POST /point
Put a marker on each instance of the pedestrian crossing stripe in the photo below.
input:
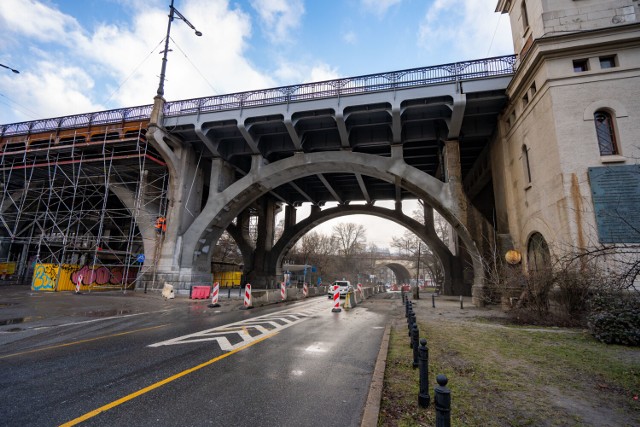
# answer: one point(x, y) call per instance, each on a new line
point(235, 335)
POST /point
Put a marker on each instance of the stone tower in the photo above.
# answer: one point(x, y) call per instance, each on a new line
point(566, 157)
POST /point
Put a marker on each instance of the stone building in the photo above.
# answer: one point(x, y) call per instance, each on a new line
point(566, 157)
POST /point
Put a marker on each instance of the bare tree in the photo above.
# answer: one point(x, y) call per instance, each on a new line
point(351, 241)
point(350, 238)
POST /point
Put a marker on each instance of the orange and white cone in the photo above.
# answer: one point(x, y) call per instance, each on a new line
point(214, 295)
point(305, 290)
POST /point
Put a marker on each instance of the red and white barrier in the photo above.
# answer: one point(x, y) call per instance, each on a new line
point(247, 296)
point(215, 295)
point(78, 283)
point(305, 290)
point(283, 291)
point(336, 299)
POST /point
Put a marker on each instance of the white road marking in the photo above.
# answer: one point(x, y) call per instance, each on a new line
point(278, 322)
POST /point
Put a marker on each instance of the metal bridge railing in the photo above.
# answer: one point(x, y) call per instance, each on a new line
point(415, 77)
point(458, 71)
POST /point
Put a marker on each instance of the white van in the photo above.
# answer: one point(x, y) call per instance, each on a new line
point(344, 286)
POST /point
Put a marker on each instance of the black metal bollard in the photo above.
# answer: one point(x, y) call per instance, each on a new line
point(423, 362)
point(461, 305)
point(411, 321)
point(415, 337)
point(407, 308)
point(433, 301)
point(404, 300)
point(442, 400)
point(229, 292)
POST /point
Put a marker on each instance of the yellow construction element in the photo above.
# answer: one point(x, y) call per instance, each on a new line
point(227, 279)
point(7, 268)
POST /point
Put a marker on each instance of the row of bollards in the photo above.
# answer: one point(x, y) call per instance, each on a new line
point(442, 394)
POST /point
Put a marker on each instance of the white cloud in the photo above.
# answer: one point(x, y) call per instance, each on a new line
point(465, 28)
point(299, 72)
point(279, 17)
point(118, 65)
point(30, 18)
point(379, 7)
point(54, 91)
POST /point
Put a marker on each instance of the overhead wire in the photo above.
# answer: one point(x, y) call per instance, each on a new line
point(133, 72)
point(194, 66)
point(494, 34)
point(34, 115)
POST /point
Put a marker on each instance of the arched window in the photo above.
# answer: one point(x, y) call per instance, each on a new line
point(538, 255)
point(605, 133)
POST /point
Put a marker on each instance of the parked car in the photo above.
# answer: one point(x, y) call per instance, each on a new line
point(344, 286)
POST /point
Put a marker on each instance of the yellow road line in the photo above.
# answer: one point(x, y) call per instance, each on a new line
point(81, 341)
point(159, 384)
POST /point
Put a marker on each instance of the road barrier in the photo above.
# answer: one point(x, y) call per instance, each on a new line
point(305, 290)
point(349, 300)
point(199, 292)
point(78, 283)
point(247, 297)
point(336, 300)
point(167, 291)
point(214, 295)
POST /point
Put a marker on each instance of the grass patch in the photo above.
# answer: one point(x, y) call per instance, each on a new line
point(513, 376)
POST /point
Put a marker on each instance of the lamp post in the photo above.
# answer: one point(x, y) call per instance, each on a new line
point(9, 68)
point(173, 12)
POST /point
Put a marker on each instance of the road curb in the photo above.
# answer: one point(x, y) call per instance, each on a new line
point(372, 407)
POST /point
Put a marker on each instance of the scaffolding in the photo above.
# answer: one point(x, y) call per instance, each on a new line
point(72, 202)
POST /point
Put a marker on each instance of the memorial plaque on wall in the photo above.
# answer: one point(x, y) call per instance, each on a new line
point(615, 191)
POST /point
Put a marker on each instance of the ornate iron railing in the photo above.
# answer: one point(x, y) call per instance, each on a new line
point(78, 121)
point(415, 77)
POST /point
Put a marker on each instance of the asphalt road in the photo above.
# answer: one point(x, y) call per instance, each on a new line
point(296, 364)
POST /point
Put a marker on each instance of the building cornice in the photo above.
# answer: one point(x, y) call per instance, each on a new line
point(576, 43)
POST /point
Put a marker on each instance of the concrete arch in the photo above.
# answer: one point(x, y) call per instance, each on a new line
point(292, 234)
point(403, 276)
point(221, 211)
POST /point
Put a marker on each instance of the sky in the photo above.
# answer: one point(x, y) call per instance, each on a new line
point(79, 56)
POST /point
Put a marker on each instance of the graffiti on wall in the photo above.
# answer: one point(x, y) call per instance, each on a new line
point(55, 277)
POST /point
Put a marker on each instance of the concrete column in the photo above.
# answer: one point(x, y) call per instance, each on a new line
point(453, 177)
point(289, 216)
point(262, 272)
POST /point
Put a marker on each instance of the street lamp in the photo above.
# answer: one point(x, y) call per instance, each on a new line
point(9, 68)
point(173, 12)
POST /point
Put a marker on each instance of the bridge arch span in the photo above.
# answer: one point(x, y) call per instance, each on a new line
point(292, 234)
point(223, 207)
